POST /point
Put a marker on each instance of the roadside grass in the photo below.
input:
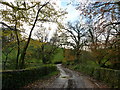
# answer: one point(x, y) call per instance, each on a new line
point(50, 75)
point(87, 68)
point(33, 63)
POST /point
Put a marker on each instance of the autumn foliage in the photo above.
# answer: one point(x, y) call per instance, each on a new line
point(69, 55)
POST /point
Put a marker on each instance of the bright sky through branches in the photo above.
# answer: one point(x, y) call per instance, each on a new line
point(72, 15)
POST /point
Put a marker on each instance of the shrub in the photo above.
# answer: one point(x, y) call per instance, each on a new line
point(19, 78)
point(110, 76)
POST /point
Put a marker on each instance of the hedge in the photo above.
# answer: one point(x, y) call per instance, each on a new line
point(19, 78)
point(109, 76)
point(84, 68)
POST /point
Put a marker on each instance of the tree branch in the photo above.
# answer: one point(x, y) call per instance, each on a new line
point(116, 23)
point(14, 7)
point(7, 26)
point(27, 43)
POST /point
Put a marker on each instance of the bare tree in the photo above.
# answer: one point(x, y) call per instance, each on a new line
point(77, 33)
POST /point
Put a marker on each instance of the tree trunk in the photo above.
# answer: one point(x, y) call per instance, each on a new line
point(43, 56)
point(4, 63)
point(22, 62)
point(76, 55)
point(18, 45)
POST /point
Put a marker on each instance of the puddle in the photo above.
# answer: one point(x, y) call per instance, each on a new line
point(65, 76)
